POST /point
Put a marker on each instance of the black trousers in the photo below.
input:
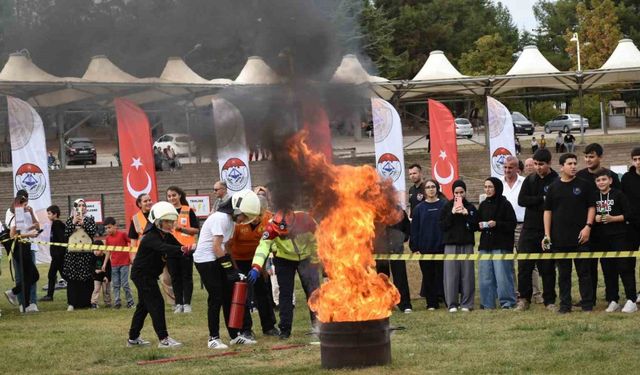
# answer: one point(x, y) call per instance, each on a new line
point(285, 273)
point(57, 261)
point(79, 293)
point(432, 281)
point(261, 293)
point(547, 268)
point(29, 272)
point(181, 271)
point(150, 302)
point(397, 268)
point(583, 269)
point(219, 289)
point(612, 268)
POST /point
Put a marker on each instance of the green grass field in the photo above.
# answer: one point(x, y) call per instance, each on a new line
point(55, 341)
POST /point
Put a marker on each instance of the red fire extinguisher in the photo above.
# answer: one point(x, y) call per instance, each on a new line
point(238, 301)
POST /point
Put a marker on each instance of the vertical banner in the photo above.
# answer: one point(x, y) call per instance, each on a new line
point(29, 155)
point(502, 141)
point(316, 122)
point(387, 134)
point(233, 154)
point(444, 148)
point(136, 155)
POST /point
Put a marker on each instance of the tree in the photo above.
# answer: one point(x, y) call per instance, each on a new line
point(490, 56)
point(598, 31)
point(378, 39)
point(554, 18)
point(628, 12)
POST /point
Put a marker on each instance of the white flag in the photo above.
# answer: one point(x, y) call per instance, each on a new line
point(387, 133)
point(29, 160)
point(233, 155)
point(502, 141)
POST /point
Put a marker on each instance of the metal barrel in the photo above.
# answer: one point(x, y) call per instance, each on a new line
point(355, 344)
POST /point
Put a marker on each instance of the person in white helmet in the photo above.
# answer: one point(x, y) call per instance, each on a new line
point(213, 262)
point(157, 243)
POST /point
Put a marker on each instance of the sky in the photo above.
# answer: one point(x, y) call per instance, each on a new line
point(521, 12)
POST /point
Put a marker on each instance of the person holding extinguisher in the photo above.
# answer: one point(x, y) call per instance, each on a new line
point(290, 235)
point(181, 267)
point(213, 262)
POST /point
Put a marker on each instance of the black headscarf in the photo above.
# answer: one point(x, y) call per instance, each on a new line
point(492, 205)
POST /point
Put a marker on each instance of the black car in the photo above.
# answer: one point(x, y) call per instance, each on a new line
point(80, 150)
point(521, 125)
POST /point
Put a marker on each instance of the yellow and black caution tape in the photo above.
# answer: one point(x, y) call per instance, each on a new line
point(86, 246)
point(512, 256)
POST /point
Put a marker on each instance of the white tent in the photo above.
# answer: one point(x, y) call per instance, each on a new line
point(176, 70)
point(622, 67)
point(533, 70)
point(350, 71)
point(257, 72)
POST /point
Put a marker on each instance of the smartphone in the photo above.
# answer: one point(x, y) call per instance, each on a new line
point(457, 202)
point(78, 211)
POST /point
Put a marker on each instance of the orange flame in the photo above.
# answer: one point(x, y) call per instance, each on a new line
point(354, 198)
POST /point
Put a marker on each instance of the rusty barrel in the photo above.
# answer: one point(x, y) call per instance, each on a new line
point(355, 344)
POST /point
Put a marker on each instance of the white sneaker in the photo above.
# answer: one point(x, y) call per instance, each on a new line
point(186, 309)
point(408, 311)
point(179, 309)
point(137, 342)
point(465, 309)
point(638, 299)
point(431, 309)
point(629, 307)
point(242, 340)
point(11, 297)
point(216, 344)
point(32, 308)
point(168, 342)
point(453, 309)
point(70, 308)
point(613, 307)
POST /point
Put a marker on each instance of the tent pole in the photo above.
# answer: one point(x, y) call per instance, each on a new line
point(581, 111)
point(62, 155)
point(487, 91)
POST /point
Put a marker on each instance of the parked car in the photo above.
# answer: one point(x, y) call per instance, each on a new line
point(80, 150)
point(178, 141)
point(463, 128)
point(565, 123)
point(521, 125)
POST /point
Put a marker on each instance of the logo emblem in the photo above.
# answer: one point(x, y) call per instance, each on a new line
point(577, 191)
point(382, 120)
point(498, 158)
point(30, 178)
point(388, 166)
point(235, 173)
point(138, 178)
point(443, 179)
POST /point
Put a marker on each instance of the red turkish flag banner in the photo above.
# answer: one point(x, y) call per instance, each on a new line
point(444, 148)
point(136, 155)
point(316, 122)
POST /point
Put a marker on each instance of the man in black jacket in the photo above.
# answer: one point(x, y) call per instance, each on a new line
point(631, 188)
point(532, 196)
point(57, 252)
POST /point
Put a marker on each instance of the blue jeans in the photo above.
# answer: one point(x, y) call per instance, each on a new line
point(17, 271)
point(496, 281)
point(120, 279)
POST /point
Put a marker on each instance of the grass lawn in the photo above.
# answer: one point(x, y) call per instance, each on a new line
point(55, 341)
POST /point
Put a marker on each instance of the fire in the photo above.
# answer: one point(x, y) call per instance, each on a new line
point(353, 199)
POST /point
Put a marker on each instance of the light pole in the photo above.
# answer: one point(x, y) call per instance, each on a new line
point(579, 79)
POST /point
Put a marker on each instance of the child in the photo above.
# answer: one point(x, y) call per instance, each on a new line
point(101, 278)
point(57, 252)
point(609, 233)
point(534, 145)
point(543, 142)
point(120, 261)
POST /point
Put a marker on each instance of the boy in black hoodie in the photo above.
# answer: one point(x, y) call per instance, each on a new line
point(532, 196)
point(609, 231)
point(631, 188)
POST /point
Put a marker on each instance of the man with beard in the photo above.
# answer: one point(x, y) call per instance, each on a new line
point(416, 191)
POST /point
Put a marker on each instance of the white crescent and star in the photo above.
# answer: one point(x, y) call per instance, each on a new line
point(135, 193)
point(444, 180)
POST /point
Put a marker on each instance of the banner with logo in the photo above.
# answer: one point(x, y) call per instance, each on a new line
point(136, 155)
point(502, 142)
point(29, 155)
point(387, 134)
point(201, 205)
point(444, 148)
point(233, 154)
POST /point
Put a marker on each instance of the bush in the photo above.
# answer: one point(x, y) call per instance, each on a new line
point(542, 112)
point(591, 109)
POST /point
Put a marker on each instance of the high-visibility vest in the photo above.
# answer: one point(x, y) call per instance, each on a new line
point(139, 223)
point(183, 222)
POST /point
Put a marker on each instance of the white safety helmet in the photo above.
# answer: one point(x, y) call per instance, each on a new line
point(246, 202)
point(162, 211)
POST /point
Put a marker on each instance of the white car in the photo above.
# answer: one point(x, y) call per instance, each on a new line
point(463, 128)
point(178, 141)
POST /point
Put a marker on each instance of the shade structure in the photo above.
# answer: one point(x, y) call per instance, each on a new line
point(622, 67)
point(257, 72)
point(351, 72)
point(176, 70)
point(533, 70)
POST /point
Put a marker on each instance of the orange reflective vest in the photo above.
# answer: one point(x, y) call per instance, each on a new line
point(183, 222)
point(139, 223)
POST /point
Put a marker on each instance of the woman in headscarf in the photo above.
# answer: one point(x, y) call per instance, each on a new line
point(497, 223)
point(78, 266)
point(459, 221)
